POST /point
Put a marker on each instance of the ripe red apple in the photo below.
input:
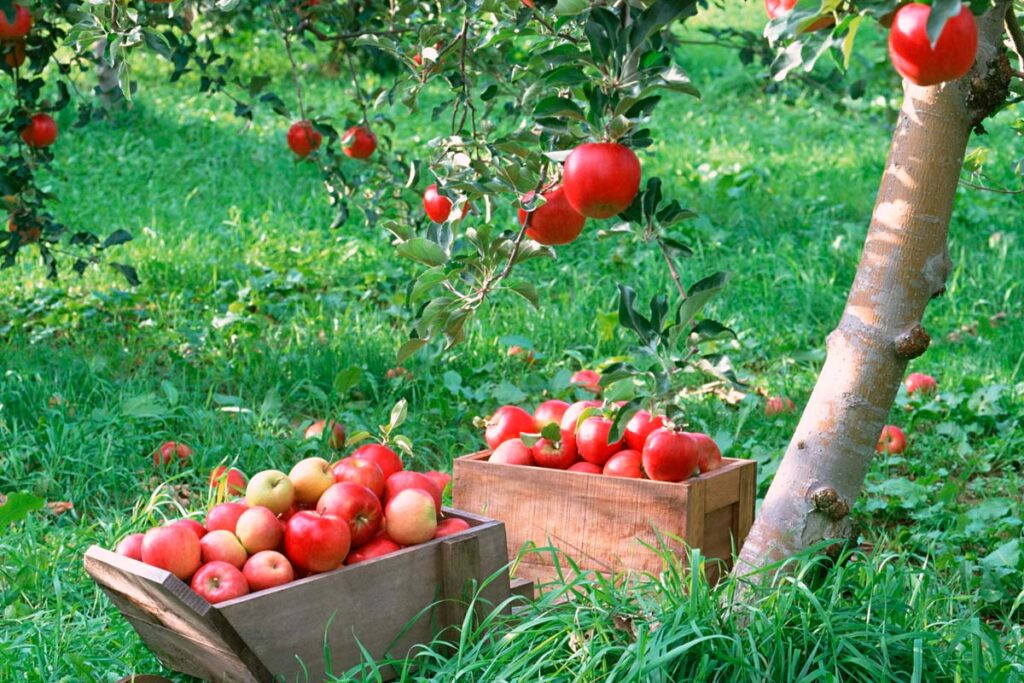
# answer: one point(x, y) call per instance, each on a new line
point(412, 517)
point(259, 529)
point(304, 139)
point(639, 428)
point(452, 525)
point(359, 471)
point(224, 516)
point(41, 132)
point(439, 207)
point(222, 546)
point(232, 480)
point(529, 3)
point(592, 440)
point(549, 412)
point(571, 417)
point(777, 405)
point(167, 450)
point(386, 459)
point(195, 527)
point(670, 455)
point(316, 431)
point(912, 53)
point(130, 546)
point(357, 506)
point(554, 223)
point(310, 478)
point(512, 452)
point(626, 464)
point(400, 481)
point(17, 29)
point(267, 569)
point(378, 547)
point(777, 8)
point(507, 422)
point(585, 467)
point(174, 548)
point(588, 380)
point(441, 479)
point(14, 53)
point(219, 581)
point(555, 455)
point(272, 489)
point(892, 440)
point(316, 543)
point(601, 178)
point(917, 381)
point(358, 142)
point(709, 457)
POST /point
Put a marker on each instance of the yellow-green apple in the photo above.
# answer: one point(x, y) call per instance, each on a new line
point(592, 440)
point(386, 459)
point(259, 529)
point(266, 569)
point(892, 440)
point(233, 480)
point(378, 547)
point(549, 412)
point(336, 439)
point(411, 517)
point(512, 452)
point(452, 525)
point(625, 463)
point(310, 478)
point(779, 404)
point(357, 505)
point(222, 546)
point(272, 489)
point(585, 467)
point(174, 548)
point(507, 422)
point(917, 381)
point(224, 516)
point(168, 450)
point(219, 581)
point(588, 380)
point(316, 543)
point(558, 455)
point(359, 471)
point(639, 428)
point(400, 481)
point(130, 546)
point(709, 458)
point(669, 455)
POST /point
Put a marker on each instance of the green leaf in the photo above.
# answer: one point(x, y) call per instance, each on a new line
point(398, 414)
point(427, 280)
point(558, 107)
point(1008, 555)
point(527, 290)
point(410, 347)
point(17, 507)
point(422, 250)
point(656, 17)
point(567, 8)
point(552, 432)
point(848, 40)
point(700, 294)
point(941, 12)
point(630, 318)
point(622, 418)
point(356, 438)
point(347, 379)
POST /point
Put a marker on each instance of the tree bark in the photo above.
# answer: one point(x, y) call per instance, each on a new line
point(904, 264)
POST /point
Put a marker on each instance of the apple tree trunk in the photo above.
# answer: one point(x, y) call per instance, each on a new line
point(904, 264)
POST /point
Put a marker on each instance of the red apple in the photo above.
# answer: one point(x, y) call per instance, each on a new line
point(549, 412)
point(412, 517)
point(452, 525)
point(441, 479)
point(916, 382)
point(316, 543)
point(670, 455)
point(892, 440)
point(913, 55)
point(17, 29)
point(259, 529)
point(219, 581)
point(272, 489)
point(585, 467)
point(777, 8)
point(198, 529)
point(588, 380)
point(378, 547)
point(316, 431)
point(439, 207)
point(267, 569)
point(41, 132)
point(359, 471)
point(557, 455)
point(507, 422)
point(709, 457)
point(232, 480)
point(222, 546)
point(571, 418)
point(592, 440)
point(624, 464)
point(310, 478)
point(639, 428)
point(130, 546)
point(174, 548)
point(512, 452)
point(777, 405)
point(14, 53)
point(555, 223)
point(358, 142)
point(168, 450)
point(386, 459)
point(400, 481)
point(304, 139)
point(357, 506)
point(601, 178)
point(224, 516)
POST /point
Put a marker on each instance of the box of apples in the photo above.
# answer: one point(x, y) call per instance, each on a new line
point(558, 480)
point(304, 569)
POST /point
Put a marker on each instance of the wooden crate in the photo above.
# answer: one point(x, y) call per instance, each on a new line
point(601, 522)
point(282, 633)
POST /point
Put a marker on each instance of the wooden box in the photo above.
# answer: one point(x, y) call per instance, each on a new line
point(388, 605)
point(603, 523)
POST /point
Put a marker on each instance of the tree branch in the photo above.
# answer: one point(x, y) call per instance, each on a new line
point(671, 266)
point(1017, 36)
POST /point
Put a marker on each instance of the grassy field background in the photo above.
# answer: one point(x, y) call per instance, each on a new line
point(250, 307)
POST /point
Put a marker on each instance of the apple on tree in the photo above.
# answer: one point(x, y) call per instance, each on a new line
point(917, 60)
point(304, 139)
point(555, 222)
point(601, 179)
point(17, 29)
point(358, 142)
point(439, 207)
point(40, 132)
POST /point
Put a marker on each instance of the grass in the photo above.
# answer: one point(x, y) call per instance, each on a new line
point(250, 307)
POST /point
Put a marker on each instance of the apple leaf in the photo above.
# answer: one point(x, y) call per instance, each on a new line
point(409, 348)
point(398, 414)
point(941, 12)
point(17, 507)
point(422, 250)
point(347, 378)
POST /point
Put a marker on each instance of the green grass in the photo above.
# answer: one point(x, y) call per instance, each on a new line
point(226, 222)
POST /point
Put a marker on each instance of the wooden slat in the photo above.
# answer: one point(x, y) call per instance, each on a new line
point(745, 504)
point(460, 566)
point(522, 587)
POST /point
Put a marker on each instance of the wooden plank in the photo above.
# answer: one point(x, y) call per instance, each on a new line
point(745, 504)
point(460, 567)
point(522, 587)
point(723, 486)
point(693, 531)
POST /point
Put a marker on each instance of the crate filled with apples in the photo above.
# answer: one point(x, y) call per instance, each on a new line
point(355, 554)
point(560, 477)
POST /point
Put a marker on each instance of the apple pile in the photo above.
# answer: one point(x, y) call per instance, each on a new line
point(314, 519)
point(577, 438)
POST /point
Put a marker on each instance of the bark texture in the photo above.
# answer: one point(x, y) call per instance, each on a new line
point(904, 264)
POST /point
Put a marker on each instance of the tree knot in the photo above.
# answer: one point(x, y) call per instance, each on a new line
point(989, 90)
point(827, 501)
point(912, 343)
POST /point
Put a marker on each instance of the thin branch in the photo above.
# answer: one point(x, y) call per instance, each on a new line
point(999, 190)
point(711, 43)
point(671, 266)
point(345, 37)
point(355, 84)
point(1016, 35)
point(294, 69)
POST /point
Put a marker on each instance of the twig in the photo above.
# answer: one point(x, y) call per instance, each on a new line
point(294, 68)
point(355, 84)
point(344, 37)
point(1016, 35)
point(711, 43)
point(999, 190)
point(671, 266)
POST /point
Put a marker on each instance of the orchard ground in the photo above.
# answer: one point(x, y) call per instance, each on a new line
point(250, 307)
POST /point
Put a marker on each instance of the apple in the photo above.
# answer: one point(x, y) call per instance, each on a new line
point(167, 450)
point(592, 440)
point(310, 478)
point(529, 3)
point(304, 139)
point(174, 548)
point(556, 222)
point(571, 418)
point(439, 207)
point(512, 452)
point(557, 455)
point(639, 428)
point(359, 471)
point(441, 479)
point(198, 529)
point(386, 459)
point(507, 422)
point(709, 457)
point(130, 546)
point(670, 456)
point(41, 132)
point(585, 467)
point(316, 431)
point(378, 547)
point(624, 464)
point(516, 350)
point(259, 529)
point(316, 543)
point(224, 516)
point(549, 412)
point(14, 53)
point(588, 380)
point(913, 55)
point(412, 517)
point(232, 480)
point(272, 489)
point(17, 29)
point(358, 142)
point(267, 569)
point(776, 8)
point(892, 440)
point(452, 525)
point(29, 232)
point(357, 506)
point(777, 405)
point(601, 179)
point(400, 481)
point(223, 546)
point(219, 581)
point(917, 381)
